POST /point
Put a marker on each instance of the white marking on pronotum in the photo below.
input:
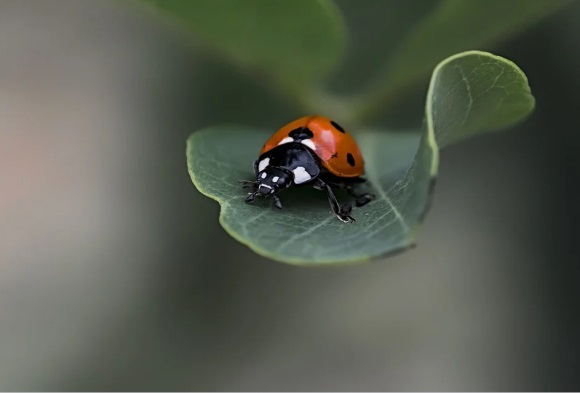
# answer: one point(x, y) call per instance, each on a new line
point(275, 179)
point(300, 175)
point(309, 143)
point(265, 185)
point(264, 175)
point(263, 164)
point(286, 140)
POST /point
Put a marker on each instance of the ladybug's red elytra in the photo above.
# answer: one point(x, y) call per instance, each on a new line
point(312, 150)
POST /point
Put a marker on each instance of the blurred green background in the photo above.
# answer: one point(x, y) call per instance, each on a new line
point(115, 274)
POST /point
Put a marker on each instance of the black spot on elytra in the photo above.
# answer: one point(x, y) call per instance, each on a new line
point(300, 134)
point(350, 159)
point(338, 127)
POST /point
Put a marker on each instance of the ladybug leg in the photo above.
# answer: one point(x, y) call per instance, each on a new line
point(342, 212)
point(251, 196)
point(277, 202)
point(247, 183)
point(361, 199)
point(346, 208)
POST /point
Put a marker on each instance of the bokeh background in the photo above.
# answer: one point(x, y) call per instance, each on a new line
point(115, 274)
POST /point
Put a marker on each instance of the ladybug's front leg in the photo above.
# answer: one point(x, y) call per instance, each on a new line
point(342, 212)
point(277, 202)
point(249, 183)
point(251, 195)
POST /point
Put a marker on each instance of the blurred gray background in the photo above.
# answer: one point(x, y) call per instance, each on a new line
point(115, 274)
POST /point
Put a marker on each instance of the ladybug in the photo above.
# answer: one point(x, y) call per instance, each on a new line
point(315, 151)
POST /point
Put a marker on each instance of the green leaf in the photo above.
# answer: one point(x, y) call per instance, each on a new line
point(452, 27)
point(473, 92)
point(470, 93)
point(298, 40)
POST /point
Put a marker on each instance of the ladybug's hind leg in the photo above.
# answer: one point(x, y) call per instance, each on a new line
point(350, 185)
point(342, 212)
point(362, 198)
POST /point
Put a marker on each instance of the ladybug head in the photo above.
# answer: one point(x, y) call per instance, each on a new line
point(271, 180)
